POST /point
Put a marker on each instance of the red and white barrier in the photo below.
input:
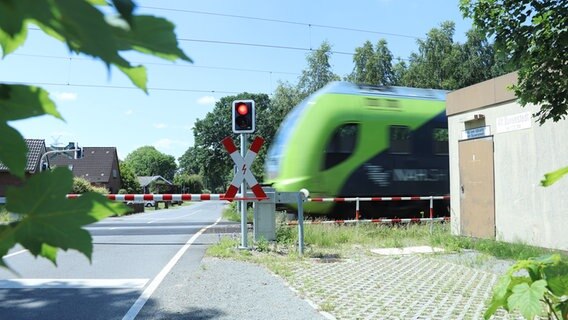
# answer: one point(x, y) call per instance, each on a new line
point(378, 199)
point(359, 199)
point(170, 197)
point(386, 221)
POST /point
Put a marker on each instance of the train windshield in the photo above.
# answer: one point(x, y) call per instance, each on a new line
point(281, 139)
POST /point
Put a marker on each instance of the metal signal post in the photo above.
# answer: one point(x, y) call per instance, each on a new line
point(243, 121)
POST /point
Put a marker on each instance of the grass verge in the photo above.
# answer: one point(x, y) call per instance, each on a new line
point(342, 241)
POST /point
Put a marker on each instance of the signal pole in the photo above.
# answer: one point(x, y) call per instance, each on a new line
point(243, 122)
point(244, 225)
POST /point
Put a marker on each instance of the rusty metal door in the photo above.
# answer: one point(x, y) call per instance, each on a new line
point(477, 194)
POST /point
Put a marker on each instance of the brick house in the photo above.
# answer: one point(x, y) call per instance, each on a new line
point(36, 149)
point(99, 166)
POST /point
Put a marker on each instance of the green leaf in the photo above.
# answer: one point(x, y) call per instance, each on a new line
point(6, 241)
point(13, 150)
point(137, 75)
point(493, 307)
point(153, 36)
point(564, 309)
point(527, 298)
point(552, 177)
point(501, 288)
point(501, 292)
point(125, 8)
point(98, 2)
point(11, 43)
point(557, 278)
point(20, 102)
point(53, 221)
point(11, 18)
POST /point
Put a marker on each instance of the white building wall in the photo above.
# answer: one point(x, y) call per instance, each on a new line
point(525, 212)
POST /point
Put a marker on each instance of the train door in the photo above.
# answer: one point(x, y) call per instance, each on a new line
point(477, 195)
point(338, 151)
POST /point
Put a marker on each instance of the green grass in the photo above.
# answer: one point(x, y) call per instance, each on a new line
point(230, 213)
point(342, 240)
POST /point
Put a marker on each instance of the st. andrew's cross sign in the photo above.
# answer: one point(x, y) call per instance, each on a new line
point(244, 171)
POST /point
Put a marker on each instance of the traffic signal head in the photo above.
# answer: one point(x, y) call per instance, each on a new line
point(244, 117)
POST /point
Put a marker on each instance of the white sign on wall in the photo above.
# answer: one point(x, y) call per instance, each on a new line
point(474, 133)
point(514, 122)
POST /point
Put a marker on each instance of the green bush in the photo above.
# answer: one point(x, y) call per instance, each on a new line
point(4, 215)
point(286, 234)
point(195, 183)
point(543, 292)
point(101, 190)
point(81, 185)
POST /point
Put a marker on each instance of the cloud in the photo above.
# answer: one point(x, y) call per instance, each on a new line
point(159, 125)
point(206, 100)
point(129, 112)
point(65, 96)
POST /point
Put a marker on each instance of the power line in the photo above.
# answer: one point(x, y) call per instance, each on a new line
point(123, 87)
point(283, 21)
point(158, 64)
point(259, 45)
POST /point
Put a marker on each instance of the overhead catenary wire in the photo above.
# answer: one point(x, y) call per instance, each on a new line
point(309, 25)
point(219, 42)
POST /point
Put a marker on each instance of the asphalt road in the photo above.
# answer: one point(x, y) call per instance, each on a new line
point(132, 256)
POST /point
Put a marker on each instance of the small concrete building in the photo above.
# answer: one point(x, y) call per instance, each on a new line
point(498, 155)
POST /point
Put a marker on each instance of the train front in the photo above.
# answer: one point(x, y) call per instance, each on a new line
point(291, 162)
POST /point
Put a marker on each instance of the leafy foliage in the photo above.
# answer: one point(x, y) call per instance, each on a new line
point(19, 102)
point(319, 72)
point(441, 63)
point(47, 219)
point(532, 34)
point(213, 161)
point(81, 185)
point(189, 183)
point(147, 161)
point(551, 177)
point(129, 180)
point(51, 221)
point(188, 162)
point(544, 291)
point(373, 65)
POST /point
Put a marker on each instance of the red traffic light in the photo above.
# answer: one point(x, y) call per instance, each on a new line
point(243, 116)
point(242, 109)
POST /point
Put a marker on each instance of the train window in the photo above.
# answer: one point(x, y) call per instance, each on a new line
point(440, 140)
point(400, 140)
point(341, 145)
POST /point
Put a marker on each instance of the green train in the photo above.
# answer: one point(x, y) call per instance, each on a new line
point(349, 140)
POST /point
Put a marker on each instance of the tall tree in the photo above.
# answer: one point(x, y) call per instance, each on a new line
point(213, 161)
point(48, 220)
point(373, 65)
point(363, 62)
point(478, 60)
point(188, 163)
point(533, 34)
point(318, 73)
point(434, 66)
point(147, 161)
point(399, 71)
point(128, 177)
